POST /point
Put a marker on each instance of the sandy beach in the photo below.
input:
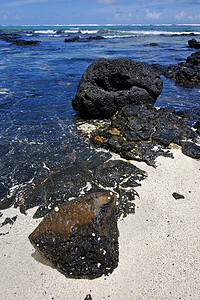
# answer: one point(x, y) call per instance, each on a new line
point(159, 245)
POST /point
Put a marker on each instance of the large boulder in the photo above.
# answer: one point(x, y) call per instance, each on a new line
point(81, 236)
point(107, 85)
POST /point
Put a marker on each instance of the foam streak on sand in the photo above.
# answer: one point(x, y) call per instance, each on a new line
point(159, 246)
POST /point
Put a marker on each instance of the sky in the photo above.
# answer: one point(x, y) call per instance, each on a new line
point(63, 12)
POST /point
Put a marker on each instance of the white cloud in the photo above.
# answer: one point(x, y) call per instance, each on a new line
point(22, 2)
point(152, 15)
point(180, 15)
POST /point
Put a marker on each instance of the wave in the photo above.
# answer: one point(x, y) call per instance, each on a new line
point(120, 31)
point(46, 31)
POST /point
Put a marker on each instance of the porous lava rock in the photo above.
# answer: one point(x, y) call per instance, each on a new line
point(80, 237)
point(107, 85)
point(185, 73)
point(191, 149)
point(143, 132)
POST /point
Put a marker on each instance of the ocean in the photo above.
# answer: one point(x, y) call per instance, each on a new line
point(38, 132)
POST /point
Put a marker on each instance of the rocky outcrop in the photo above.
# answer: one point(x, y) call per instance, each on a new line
point(194, 59)
point(194, 44)
point(89, 38)
point(191, 149)
point(80, 237)
point(107, 85)
point(186, 73)
point(136, 130)
point(85, 176)
point(73, 39)
point(15, 39)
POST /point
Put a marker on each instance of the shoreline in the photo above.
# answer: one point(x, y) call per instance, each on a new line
point(158, 245)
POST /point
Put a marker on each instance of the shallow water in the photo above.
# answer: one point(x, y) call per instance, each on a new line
point(38, 83)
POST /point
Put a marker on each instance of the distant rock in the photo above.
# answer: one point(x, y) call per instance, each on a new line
point(15, 39)
point(80, 237)
point(77, 38)
point(185, 73)
point(194, 44)
point(73, 39)
point(97, 37)
point(107, 85)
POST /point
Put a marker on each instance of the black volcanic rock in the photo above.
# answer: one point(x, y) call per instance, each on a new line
point(107, 85)
point(185, 73)
point(73, 39)
point(194, 59)
point(191, 149)
point(16, 39)
point(136, 130)
point(194, 44)
point(80, 237)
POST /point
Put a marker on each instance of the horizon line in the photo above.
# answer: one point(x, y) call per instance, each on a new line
point(89, 24)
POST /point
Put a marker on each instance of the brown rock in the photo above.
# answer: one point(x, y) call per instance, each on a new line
point(81, 236)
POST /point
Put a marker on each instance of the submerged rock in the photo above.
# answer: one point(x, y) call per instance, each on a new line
point(80, 237)
point(16, 39)
point(107, 85)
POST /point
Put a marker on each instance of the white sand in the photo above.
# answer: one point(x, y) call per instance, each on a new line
point(159, 246)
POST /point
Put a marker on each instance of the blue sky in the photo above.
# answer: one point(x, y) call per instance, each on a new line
point(33, 12)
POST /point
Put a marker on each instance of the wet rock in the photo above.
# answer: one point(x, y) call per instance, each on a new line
point(107, 85)
point(193, 43)
point(80, 237)
point(15, 39)
point(197, 127)
point(73, 39)
point(97, 37)
point(194, 59)
point(121, 177)
point(25, 42)
point(186, 73)
point(136, 130)
point(85, 176)
point(77, 38)
point(153, 44)
point(191, 149)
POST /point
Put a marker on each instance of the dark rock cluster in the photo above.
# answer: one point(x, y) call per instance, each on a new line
point(185, 73)
point(78, 39)
point(80, 237)
point(107, 85)
point(91, 172)
point(16, 39)
point(136, 130)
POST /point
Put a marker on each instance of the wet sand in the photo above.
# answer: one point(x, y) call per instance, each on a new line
point(159, 246)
